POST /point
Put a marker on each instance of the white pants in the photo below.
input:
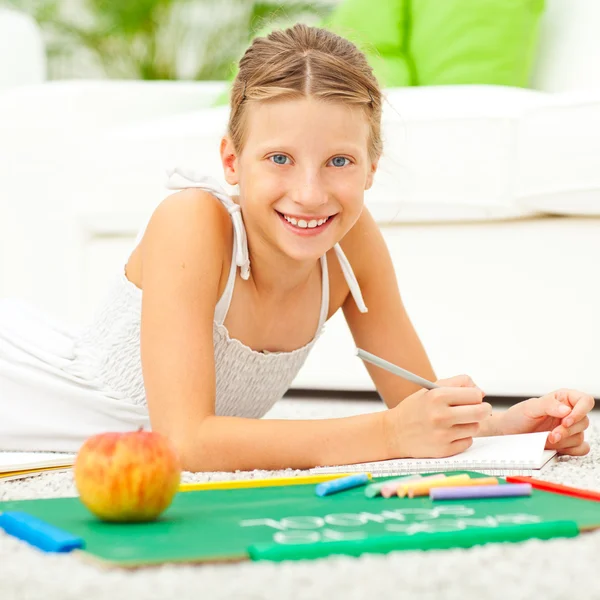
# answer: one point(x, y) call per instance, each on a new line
point(44, 406)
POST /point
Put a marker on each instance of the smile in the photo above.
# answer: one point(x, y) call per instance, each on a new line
point(306, 225)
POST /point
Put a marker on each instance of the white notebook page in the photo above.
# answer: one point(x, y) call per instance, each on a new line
point(498, 453)
point(21, 461)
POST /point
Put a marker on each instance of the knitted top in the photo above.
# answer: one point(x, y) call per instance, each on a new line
point(248, 382)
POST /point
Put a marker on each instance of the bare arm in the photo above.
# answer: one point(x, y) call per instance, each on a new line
point(183, 251)
point(182, 256)
point(386, 330)
point(230, 443)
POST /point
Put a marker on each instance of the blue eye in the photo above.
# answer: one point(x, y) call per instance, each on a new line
point(342, 158)
point(279, 156)
point(279, 159)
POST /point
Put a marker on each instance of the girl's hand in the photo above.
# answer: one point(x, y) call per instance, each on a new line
point(563, 413)
point(437, 423)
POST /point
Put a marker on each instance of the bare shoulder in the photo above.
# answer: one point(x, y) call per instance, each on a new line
point(189, 228)
point(190, 213)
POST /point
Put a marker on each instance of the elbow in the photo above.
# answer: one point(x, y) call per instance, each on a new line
point(182, 449)
point(192, 449)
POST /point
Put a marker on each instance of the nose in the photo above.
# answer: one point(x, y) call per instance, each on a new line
point(309, 192)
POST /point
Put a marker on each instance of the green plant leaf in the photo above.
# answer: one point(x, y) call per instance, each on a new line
point(151, 39)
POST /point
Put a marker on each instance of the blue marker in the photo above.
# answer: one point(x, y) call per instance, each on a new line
point(343, 483)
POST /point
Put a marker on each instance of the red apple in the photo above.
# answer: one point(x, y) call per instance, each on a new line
point(127, 477)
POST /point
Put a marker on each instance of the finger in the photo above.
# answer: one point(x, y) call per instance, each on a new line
point(465, 430)
point(459, 381)
point(472, 413)
point(456, 381)
point(570, 442)
point(562, 432)
point(572, 397)
point(548, 405)
point(458, 446)
point(582, 404)
point(453, 396)
point(577, 450)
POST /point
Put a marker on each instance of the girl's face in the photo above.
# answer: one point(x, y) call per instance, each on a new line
point(302, 173)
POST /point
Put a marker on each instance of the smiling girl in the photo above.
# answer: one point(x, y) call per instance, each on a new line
point(223, 297)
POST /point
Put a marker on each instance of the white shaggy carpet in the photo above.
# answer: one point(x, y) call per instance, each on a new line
point(561, 569)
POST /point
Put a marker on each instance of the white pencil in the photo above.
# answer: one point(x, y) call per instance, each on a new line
point(395, 369)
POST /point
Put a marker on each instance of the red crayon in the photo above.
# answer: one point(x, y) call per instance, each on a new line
point(556, 488)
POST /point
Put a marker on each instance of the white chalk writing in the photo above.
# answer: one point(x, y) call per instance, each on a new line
point(308, 529)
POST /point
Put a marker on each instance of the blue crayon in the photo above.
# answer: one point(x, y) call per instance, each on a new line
point(343, 483)
point(38, 533)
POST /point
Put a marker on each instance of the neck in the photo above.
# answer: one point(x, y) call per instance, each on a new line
point(276, 276)
point(272, 275)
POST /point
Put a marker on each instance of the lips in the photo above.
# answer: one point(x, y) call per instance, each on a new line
point(302, 224)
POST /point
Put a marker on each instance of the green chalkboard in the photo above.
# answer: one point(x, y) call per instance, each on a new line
point(291, 522)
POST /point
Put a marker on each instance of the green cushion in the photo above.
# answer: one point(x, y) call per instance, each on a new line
point(442, 42)
point(379, 29)
point(474, 41)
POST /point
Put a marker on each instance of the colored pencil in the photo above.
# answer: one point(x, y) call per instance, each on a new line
point(556, 487)
point(395, 369)
point(269, 482)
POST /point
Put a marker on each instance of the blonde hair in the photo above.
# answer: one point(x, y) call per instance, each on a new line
point(304, 61)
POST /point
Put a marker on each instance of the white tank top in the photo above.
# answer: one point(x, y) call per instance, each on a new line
point(248, 382)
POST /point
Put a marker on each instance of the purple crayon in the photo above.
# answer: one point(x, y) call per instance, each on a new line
point(473, 492)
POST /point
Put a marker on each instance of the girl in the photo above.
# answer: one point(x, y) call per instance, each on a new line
point(223, 297)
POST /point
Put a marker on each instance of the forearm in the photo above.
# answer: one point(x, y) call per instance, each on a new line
point(235, 443)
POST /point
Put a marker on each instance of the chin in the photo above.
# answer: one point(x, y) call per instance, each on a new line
point(304, 253)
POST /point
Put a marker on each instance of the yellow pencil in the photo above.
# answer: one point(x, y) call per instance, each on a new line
point(270, 482)
point(422, 488)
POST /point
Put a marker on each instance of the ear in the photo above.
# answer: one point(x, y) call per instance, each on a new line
point(230, 162)
point(371, 174)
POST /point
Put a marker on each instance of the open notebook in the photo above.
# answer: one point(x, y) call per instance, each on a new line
point(521, 454)
point(15, 465)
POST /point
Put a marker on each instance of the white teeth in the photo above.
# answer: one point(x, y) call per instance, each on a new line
point(305, 224)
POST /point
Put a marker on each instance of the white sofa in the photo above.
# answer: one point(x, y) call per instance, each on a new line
point(488, 197)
